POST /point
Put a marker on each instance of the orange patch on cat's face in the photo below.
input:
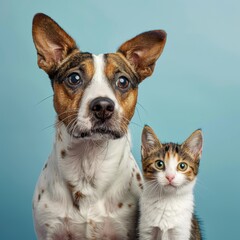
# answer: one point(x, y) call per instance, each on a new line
point(189, 173)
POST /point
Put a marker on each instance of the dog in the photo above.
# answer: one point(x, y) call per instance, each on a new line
point(90, 186)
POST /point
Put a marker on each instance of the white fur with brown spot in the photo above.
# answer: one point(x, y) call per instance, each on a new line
point(86, 188)
point(101, 171)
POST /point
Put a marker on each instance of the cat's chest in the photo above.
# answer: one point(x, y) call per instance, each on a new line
point(167, 213)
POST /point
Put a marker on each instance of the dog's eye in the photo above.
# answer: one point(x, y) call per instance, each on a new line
point(123, 83)
point(74, 79)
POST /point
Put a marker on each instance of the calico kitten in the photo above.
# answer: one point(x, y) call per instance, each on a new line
point(167, 203)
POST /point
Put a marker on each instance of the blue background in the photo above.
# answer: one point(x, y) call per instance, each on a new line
point(195, 84)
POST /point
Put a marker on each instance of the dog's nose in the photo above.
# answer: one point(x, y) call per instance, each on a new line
point(102, 108)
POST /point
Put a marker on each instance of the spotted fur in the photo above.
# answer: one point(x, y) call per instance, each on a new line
point(167, 202)
point(90, 186)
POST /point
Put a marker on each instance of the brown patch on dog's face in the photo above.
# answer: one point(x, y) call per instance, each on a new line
point(118, 68)
point(67, 96)
point(128, 103)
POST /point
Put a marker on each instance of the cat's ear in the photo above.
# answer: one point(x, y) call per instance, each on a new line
point(150, 142)
point(53, 44)
point(193, 145)
point(143, 51)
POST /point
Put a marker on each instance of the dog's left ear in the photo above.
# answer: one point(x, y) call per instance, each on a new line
point(53, 44)
point(143, 51)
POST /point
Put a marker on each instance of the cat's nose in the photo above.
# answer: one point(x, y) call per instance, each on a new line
point(170, 177)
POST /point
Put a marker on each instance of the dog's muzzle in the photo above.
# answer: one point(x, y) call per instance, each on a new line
point(103, 119)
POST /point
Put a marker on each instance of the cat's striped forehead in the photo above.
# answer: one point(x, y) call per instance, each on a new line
point(166, 152)
point(170, 153)
point(171, 149)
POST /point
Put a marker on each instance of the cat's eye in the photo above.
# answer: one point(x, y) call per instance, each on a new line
point(123, 83)
point(74, 79)
point(159, 164)
point(182, 166)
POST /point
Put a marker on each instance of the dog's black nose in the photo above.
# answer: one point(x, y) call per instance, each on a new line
point(102, 108)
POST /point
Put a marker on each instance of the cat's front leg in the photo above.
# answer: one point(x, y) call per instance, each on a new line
point(145, 233)
point(178, 233)
point(150, 233)
point(145, 236)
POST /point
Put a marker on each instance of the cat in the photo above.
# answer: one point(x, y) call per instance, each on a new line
point(167, 202)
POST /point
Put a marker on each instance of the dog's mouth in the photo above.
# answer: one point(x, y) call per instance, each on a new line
point(99, 132)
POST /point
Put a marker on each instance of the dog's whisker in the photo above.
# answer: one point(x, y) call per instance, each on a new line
point(73, 128)
point(131, 122)
point(44, 100)
point(50, 126)
point(66, 118)
point(138, 103)
point(138, 114)
point(68, 111)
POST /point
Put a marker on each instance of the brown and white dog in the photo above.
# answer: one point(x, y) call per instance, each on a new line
point(90, 185)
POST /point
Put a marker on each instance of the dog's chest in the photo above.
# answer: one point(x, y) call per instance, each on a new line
point(88, 193)
point(89, 171)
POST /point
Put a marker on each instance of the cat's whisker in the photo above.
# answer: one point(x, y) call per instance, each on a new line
point(151, 186)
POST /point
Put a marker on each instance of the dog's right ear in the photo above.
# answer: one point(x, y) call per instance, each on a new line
point(53, 44)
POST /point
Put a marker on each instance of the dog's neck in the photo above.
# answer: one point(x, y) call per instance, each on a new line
point(80, 160)
point(88, 146)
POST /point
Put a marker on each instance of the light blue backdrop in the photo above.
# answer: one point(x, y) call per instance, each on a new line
point(196, 84)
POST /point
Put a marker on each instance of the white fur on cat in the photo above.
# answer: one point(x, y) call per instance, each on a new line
point(166, 211)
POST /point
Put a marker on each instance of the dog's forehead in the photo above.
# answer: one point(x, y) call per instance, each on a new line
point(98, 86)
point(108, 63)
point(75, 61)
point(113, 63)
point(117, 63)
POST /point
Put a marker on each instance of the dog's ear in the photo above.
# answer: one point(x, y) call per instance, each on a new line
point(143, 51)
point(53, 44)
